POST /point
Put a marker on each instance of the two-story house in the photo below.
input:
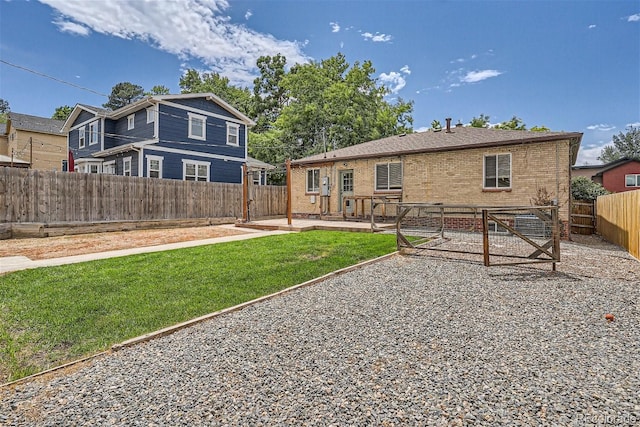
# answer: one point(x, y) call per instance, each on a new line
point(33, 142)
point(193, 137)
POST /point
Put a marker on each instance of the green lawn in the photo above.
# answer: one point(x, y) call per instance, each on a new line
point(56, 314)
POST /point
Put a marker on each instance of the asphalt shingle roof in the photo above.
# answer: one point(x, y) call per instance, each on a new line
point(459, 138)
point(36, 124)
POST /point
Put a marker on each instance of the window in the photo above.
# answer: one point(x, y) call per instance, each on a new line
point(81, 137)
point(93, 133)
point(256, 177)
point(497, 171)
point(154, 166)
point(389, 176)
point(109, 168)
point(126, 166)
point(233, 132)
point(93, 168)
point(313, 180)
point(194, 170)
point(632, 180)
point(131, 121)
point(151, 115)
point(197, 127)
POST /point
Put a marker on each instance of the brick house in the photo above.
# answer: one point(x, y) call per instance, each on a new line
point(36, 142)
point(457, 165)
point(620, 175)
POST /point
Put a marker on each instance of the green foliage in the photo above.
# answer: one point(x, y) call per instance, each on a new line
point(269, 96)
point(4, 110)
point(480, 122)
point(541, 128)
point(582, 188)
point(62, 112)
point(122, 94)
point(625, 145)
point(515, 123)
point(158, 90)
point(240, 98)
point(52, 315)
point(435, 125)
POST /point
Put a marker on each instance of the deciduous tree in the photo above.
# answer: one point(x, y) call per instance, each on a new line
point(194, 82)
point(625, 144)
point(62, 112)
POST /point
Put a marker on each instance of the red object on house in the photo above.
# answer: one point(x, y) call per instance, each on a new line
point(70, 163)
point(618, 176)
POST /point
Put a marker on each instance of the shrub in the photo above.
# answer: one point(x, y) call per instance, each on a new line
point(582, 188)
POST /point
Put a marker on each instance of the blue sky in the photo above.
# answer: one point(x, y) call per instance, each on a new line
point(570, 65)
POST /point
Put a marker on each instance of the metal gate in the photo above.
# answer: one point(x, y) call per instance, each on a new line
point(492, 235)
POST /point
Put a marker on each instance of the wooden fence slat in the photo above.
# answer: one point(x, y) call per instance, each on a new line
point(619, 220)
point(53, 197)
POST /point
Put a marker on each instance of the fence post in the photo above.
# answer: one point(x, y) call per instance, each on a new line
point(288, 191)
point(485, 236)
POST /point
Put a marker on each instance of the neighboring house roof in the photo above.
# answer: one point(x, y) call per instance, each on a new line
point(257, 164)
point(34, 124)
point(147, 102)
point(6, 161)
point(615, 164)
point(431, 141)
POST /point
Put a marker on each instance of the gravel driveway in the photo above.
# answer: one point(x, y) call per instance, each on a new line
point(411, 340)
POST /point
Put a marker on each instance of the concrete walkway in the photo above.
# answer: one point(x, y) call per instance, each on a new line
point(15, 263)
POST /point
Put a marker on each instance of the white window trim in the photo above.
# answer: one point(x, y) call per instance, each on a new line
point(107, 165)
point(131, 121)
point(204, 126)
point(196, 163)
point(126, 160)
point(82, 137)
point(93, 133)
point(637, 179)
point(151, 115)
point(237, 135)
point(159, 159)
point(484, 172)
point(311, 189)
point(388, 189)
point(84, 165)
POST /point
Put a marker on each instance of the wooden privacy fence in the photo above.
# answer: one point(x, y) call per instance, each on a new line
point(49, 197)
point(619, 220)
point(583, 217)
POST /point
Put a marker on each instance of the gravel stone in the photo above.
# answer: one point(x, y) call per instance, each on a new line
point(411, 340)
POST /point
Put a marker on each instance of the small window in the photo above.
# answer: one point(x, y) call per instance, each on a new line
point(389, 176)
point(126, 166)
point(197, 127)
point(93, 168)
point(195, 171)
point(151, 115)
point(154, 166)
point(93, 133)
point(632, 180)
point(497, 171)
point(81, 137)
point(233, 132)
point(313, 180)
point(109, 168)
point(131, 121)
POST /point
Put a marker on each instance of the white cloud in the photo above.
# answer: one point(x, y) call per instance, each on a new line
point(635, 125)
point(477, 76)
point(422, 129)
point(335, 27)
point(393, 81)
point(248, 15)
point(634, 18)
point(589, 156)
point(601, 127)
point(377, 37)
point(72, 27)
point(186, 28)
point(405, 69)
point(592, 26)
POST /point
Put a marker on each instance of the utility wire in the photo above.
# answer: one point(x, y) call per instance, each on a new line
point(52, 78)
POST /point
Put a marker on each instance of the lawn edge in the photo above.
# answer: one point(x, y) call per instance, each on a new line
point(182, 325)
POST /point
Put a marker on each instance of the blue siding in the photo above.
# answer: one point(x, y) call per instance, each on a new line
point(109, 131)
point(83, 117)
point(219, 171)
point(203, 104)
point(174, 131)
point(141, 130)
point(74, 141)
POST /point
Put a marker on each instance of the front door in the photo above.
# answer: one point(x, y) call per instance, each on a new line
point(346, 189)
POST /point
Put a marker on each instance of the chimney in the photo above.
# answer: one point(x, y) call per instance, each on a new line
point(448, 119)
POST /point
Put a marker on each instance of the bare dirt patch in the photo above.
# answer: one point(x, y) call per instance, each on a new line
point(61, 246)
